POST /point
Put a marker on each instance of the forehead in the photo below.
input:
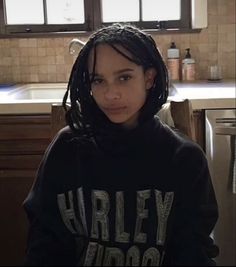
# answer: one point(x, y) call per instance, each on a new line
point(105, 56)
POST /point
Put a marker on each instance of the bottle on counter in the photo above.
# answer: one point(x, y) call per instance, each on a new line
point(173, 62)
point(188, 67)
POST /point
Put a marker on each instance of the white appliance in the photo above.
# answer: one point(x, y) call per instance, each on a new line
point(221, 155)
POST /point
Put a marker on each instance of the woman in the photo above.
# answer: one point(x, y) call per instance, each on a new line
point(117, 186)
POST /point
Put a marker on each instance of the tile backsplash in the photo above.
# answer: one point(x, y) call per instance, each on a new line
point(24, 60)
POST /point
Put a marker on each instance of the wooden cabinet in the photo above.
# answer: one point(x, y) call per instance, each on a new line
point(23, 140)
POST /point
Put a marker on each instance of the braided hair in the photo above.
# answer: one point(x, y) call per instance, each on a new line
point(84, 116)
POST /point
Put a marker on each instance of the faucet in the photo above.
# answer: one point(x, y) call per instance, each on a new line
point(74, 45)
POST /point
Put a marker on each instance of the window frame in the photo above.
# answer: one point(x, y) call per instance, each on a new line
point(183, 23)
point(93, 21)
point(49, 28)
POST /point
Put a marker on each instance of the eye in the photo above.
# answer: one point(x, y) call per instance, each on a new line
point(96, 81)
point(125, 77)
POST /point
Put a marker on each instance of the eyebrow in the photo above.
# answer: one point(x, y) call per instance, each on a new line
point(123, 70)
point(116, 72)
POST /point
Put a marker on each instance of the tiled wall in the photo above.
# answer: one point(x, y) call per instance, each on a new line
point(48, 59)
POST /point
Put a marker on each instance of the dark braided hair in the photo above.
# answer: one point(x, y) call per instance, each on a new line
point(84, 116)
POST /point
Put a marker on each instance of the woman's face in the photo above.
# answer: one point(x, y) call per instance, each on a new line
point(119, 86)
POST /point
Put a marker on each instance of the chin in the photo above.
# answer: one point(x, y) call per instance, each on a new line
point(126, 123)
point(117, 121)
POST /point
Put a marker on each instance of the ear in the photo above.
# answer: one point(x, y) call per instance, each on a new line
point(150, 75)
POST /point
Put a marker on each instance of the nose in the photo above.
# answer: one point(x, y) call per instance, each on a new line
point(112, 92)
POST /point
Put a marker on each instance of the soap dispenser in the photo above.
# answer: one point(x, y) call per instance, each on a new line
point(173, 62)
point(188, 67)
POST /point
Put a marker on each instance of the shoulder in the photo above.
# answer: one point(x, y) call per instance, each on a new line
point(62, 138)
point(55, 172)
point(179, 146)
point(59, 161)
point(64, 134)
point(189, 162)
point(185, 159)
point(61, 148)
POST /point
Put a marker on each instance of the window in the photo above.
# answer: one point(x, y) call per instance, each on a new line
point(63, 12)
point(135, 10)
point(37, 16)
point(147, 14)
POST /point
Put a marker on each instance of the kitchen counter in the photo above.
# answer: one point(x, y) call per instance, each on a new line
point(37, 98)
point(207, 95)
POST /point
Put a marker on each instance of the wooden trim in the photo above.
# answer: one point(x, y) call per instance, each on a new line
point(20, 162)
point(27, 146)
point(18, 174)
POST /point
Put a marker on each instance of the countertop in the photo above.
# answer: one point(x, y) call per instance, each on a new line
point(37, 98)
point(207, 95)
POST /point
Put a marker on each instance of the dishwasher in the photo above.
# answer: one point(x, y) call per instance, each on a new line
point(221, 155)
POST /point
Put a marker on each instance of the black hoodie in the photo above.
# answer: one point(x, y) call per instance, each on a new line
point(142, 198)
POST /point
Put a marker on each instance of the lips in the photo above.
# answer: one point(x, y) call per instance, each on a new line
point(114, 110)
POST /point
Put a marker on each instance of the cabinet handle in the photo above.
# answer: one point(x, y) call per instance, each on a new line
point(225, 130)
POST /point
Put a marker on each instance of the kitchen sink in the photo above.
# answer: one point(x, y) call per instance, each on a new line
point(47, 91)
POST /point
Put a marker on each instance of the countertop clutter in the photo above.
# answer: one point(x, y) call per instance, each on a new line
point(35, 98)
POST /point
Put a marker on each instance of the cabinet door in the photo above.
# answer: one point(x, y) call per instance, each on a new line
point(14, 187)
point(23, 140)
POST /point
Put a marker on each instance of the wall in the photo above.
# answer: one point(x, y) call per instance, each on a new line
point(48, 59)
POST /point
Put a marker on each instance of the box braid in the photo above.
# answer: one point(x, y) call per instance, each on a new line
point(84, 116)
